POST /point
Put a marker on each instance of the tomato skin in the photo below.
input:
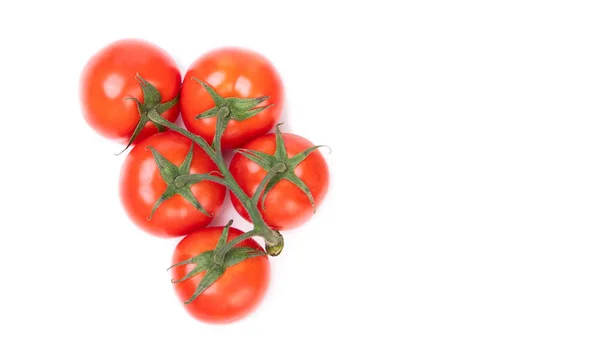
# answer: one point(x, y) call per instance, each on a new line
point(232, 72)
point(235, 294)
point(286, 206)
point(141, 185)
point(109, 78)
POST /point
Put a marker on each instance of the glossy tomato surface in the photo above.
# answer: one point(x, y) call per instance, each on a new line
point(286, 206)
point(235, 294)
point(108, 80)
point(142, 185)
point(232, 72)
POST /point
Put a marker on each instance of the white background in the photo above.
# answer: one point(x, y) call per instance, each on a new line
point(465, 175)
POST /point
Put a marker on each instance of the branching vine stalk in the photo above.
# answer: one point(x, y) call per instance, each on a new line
point(273, 239)
point(179, 180)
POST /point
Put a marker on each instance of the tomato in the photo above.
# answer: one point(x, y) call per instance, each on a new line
point(235, 294)
point(286, 205)
point(108, 81)
point(232, 72)
point(142, 185)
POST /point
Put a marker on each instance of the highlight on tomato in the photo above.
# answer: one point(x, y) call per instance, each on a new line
point(215, 288)
point(240, 80)
point(151, 194)
point(299, 183)
point(125, 81)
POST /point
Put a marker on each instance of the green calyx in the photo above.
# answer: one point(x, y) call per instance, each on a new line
point(151, 105)
point(215, 262)
point(170, 172)
point(279, 167)
point(238, 108)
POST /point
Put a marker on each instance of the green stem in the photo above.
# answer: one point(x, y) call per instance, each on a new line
point(219, 256)
point(195, 138)
point(219, 130)
point(273, 239)
point(181, 180)
point(278, 168)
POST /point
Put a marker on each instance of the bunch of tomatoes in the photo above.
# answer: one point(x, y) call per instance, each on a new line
point(174, 179)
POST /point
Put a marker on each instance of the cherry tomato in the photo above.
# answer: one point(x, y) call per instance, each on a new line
point(232, 72)
point(235, 294)
point(109, 80)
point(142, 185)
point(286, 205)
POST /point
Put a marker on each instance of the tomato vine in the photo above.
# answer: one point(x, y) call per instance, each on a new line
point(225, 254)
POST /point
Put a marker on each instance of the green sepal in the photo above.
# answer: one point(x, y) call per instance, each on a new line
point(266, 161)
point(253, 112)
point(205, 261)
point(202, 261)
point(240, 254)
point(163, 107)
point(151, 94)
point(267, 181)
point(223, 238)
point(270, 185)
point(208, 114)
point(164, 197)
point(295, 161)
point(239, 108)
point(152, 103)
point(212, 275)
point(294, 179)
point(169, 173)
point(280, 150)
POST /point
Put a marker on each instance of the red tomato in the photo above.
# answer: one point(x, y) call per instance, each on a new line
point(235, 294)
point(286, 205)
point(232, 72)
point(109, 78)
point(142, 185)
